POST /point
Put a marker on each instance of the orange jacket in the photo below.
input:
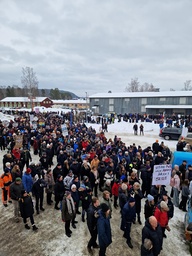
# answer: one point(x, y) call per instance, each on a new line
point(5, 180)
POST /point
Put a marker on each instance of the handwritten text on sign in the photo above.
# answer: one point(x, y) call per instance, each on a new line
point(162, 174)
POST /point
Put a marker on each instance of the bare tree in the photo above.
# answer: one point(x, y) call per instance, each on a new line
point(187, 86)
point(171, 89)
point(133, 86)
point(30, 82)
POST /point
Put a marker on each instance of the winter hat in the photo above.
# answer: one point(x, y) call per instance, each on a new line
point(73, 186)
point(28, 170)
point(164, 206)
point(131, 199)
point(104, 207)
point(124, 186)
point(150, 198)
point(67, 193)
point(59, 176)
point(18, 179)
point(8, 165)
point(85, 178)
point(108, 182)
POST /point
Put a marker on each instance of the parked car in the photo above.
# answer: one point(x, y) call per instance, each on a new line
point(170, 133)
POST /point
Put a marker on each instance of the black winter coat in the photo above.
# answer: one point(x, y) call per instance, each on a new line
point(138, 196)
point(122, 198)
point(26, 206)
point(38, 188)
point(15, 191)
point(155, 236)
point(148, 209)
point(59, 190)
point(92, 216)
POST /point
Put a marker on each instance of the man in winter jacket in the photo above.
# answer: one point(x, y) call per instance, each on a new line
point(38, 192)
point(128, 217)
point(5, 182)
point(153, 231)
point(27, 180)
point(92, 216)
point(104, 229)
point(15, 191)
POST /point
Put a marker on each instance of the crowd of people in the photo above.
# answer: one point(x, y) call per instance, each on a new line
point(92, 176)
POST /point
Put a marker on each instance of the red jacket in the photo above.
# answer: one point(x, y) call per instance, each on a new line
point(115, 189)
point(161, 216)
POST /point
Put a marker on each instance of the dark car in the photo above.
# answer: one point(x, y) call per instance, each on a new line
point(170, 133)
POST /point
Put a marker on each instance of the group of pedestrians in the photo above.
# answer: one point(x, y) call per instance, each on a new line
point(91, 173)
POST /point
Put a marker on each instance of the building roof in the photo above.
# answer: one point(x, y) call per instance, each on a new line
point(142, 94)
point(23, 99)
point(79, 101)
point(169, 106)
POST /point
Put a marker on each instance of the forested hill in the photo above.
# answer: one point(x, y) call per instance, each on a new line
point(16, 91)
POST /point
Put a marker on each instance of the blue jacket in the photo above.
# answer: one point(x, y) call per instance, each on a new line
point(104, 230)
point(128, 215)
point(27, 182)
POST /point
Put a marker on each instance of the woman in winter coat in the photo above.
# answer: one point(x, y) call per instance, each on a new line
point(26, 209)
point(27, 180)
point(94, 179)
point(59, 191)
point(16, 172)
point(149, 206)
point(176, 188)
point(49, 185)
point(115, 192)
point(68, 212)
point(161, 214)
point(106, 200)
point(136, 192)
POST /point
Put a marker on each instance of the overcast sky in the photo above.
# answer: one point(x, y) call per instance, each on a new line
point(96, 45)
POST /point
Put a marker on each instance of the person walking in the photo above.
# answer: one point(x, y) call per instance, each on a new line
point(152, 230)
point(68, 212)
point(49, 185)
point(104, 229)
point(26, 209)
point(92, 216)
point(128, 217)
point(15, 192)
point(5, 182)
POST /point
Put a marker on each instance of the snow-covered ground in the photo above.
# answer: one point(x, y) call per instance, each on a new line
point(50, 240)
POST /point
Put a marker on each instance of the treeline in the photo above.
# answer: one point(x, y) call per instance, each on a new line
point(16, 91)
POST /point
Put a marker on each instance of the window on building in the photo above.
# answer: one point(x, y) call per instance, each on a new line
point(162, 99)
point(182, 100)
point(111, 108)
point(144, 101)
point(143, 110)
point(111, 101)
point(96, 100)
point(126, 100)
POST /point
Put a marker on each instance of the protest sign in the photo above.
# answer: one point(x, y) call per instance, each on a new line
point(18, 141)
point(162, 174)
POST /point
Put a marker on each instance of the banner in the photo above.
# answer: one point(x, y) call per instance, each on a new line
point(162, 174)
point(18, 141)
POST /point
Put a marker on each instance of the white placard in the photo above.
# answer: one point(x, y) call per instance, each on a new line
point(162, 174)
point(64, 129)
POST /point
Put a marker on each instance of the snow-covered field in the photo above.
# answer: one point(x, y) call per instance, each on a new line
point(50, 240)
